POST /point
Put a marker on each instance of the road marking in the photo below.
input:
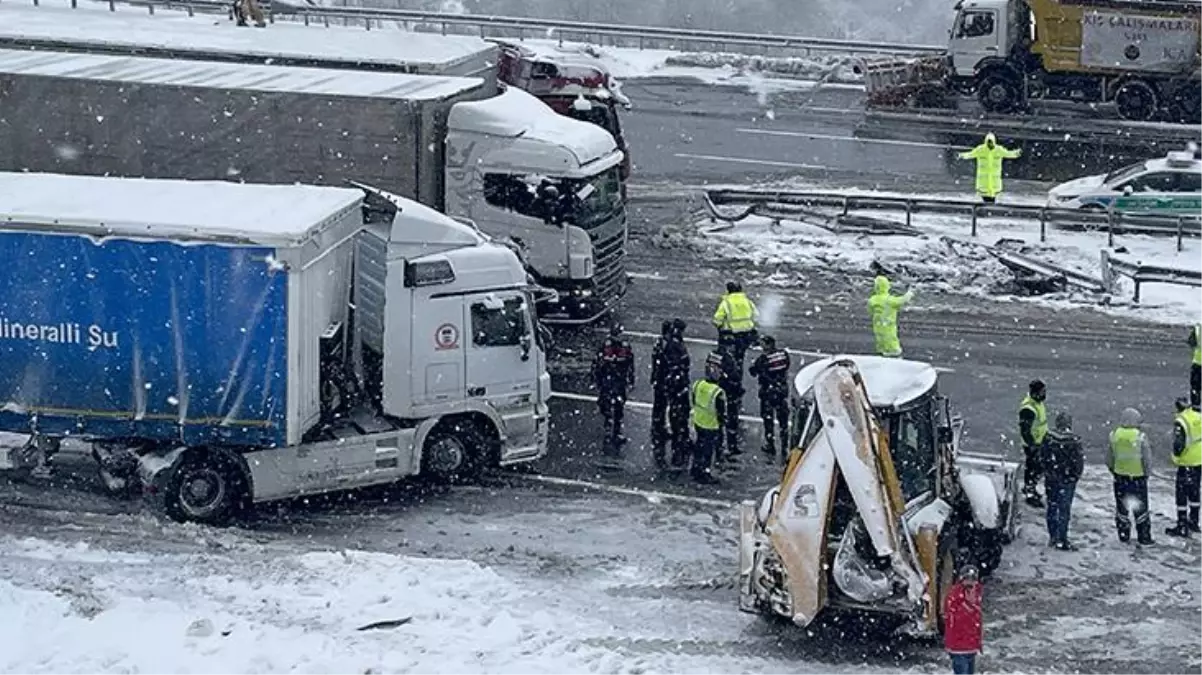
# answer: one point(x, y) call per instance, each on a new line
point(755, 348)
point(653, 496)
point(745, 160)
point(637, 405)
point(882, 141)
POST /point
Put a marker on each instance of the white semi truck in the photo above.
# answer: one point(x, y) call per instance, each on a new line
point(549, 185)
point(238, 343)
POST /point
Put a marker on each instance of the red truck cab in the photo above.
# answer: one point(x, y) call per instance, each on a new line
point(572, 83)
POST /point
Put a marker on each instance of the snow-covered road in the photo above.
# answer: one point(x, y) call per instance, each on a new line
point(526, 579)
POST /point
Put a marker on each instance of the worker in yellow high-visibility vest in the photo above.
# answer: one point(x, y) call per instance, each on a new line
point(989, 155)
point(709, 417)
point(1033, 429)
point(1129, 460)
point(735, 319)
point(1195, 369)
point(1187, 456)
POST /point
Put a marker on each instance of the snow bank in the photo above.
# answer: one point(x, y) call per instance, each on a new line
point(948, 259)
point(102, 612)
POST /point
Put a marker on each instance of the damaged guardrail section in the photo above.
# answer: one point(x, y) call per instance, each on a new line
point(756, 202)
point(1145, 274)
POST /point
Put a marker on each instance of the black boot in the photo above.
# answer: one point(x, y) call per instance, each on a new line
point(1178, 530)
point(1124, 530)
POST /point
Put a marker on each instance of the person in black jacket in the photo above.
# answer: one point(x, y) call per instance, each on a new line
point(771, 368)
point(670, 364)
point(613, 373)
point(1063, 461)
point(725, 365)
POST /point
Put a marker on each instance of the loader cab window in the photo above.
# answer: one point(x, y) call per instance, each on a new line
point(975, 24)
point(805, 423)
point(912, 444)
point(499, 323)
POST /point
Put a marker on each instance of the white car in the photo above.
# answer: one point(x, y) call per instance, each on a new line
point(1169, 185)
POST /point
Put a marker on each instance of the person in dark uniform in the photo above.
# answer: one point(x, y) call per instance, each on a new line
point(771, 368)
point(613, 373)
point(724, 364)
point(670, 379)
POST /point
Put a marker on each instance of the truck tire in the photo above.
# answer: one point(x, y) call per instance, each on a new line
point(999, 93)
point(206, 487)
point(455, 449)
point(1136, 100)
point(988, 551)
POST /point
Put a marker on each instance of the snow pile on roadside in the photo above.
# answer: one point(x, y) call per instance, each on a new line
point(98, 611)
point(947, 258)
point(828, 68)
point(250, 609)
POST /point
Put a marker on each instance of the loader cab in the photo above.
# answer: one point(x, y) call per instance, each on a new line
point(982, 30)
point(905, 398)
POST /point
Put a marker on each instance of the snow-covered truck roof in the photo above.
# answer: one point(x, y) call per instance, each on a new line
point(891, 383)
point(517, 114)
point(93, 24)
point(248, 77)
point(262, 215)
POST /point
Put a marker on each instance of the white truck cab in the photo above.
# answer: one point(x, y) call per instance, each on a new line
point(552, 186)
point(983, 29)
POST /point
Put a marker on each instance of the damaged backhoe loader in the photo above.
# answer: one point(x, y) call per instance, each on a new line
point(877, 506)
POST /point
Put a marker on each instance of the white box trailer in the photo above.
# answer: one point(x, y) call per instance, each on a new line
point(92, 28)
point(243, 343)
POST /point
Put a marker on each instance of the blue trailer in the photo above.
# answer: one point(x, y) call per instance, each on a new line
point(228, 343)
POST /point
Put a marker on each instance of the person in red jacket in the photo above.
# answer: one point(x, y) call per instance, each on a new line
point(962, 620)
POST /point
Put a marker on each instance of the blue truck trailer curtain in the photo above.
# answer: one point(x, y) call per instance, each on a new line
point(142, 340)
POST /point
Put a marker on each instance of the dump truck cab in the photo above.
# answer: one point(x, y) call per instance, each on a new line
point(877, 506)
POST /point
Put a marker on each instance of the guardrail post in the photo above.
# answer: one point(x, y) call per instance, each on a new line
point(74, 4)
point(150, 7)
point(444, 27)
point(191, 11)
point(1110, 227)
point(975, 208)
point(1180, 231)
point(846, 204)
point(640, 43)
point(909, 210)
point(1135, 278)
point(1043, 225)
point(112, 6)
point(305, 18)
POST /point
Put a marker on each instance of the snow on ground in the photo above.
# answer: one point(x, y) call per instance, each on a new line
point(129, 593)
point(948, 259)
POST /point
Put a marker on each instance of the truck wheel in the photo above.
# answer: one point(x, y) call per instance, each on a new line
point(453, 450)
point(205, 488)
point(998, 93)
point(1136, 100)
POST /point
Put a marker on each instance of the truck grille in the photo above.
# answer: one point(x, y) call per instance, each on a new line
point(610, 259)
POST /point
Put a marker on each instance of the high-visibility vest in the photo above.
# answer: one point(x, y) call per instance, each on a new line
point(1198, 344)
point(1191, 424)
point(735, 313)
point(704, 398)
point(1039, 428)
point(1125, 448)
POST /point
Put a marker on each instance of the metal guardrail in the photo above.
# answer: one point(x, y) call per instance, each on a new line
point(1146, 274)
point(679, 39)
point(1112, 222)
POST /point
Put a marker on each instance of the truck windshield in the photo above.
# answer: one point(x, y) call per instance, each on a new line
point(603, 116)
point(603, 202)
point(497, 323)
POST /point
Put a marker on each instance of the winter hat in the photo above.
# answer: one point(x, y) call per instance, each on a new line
point(1064, 421)
point(1130, 418)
